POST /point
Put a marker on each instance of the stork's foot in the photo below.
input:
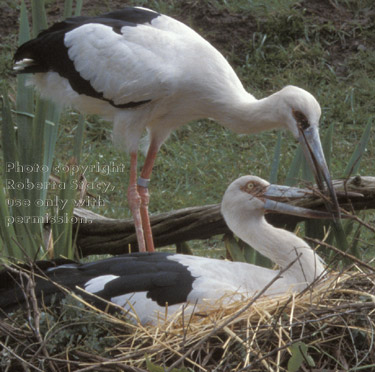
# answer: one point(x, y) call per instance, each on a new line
point(135, 201)
point(145, 198)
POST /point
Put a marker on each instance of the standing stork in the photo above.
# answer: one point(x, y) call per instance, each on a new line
point(149, 282)
point(144, 70)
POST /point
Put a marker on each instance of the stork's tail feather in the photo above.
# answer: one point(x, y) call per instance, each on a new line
point(15, 282)
point(27, 58)
point(24, 65)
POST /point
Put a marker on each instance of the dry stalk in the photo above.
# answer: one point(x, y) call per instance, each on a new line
point(33, 312)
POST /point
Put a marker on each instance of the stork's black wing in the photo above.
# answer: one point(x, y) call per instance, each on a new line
point(164, 280)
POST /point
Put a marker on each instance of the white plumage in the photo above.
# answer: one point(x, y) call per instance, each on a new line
point(144, 70)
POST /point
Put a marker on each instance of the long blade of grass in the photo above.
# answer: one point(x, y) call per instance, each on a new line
point(51, 127)
point(307, 173)
point(24, 32)
point(360, 149)
point(17, 229)
point(337, 227)
point(276, 159)
point(38, 152)
point(7, 234)
point(78, 10)
point(13, 180)
point(62, 232)
point(327, 144)
point(68, 8)
point(263, 261)
point(292, 176)
point(78, 139)
point(250, 254)
point(39, 16)
point(233, 248)
point(9, 142)
point(25, 95)
point(354, 247)
point(352, 167)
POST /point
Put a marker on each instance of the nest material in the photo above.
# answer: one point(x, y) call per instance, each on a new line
point(331, 327)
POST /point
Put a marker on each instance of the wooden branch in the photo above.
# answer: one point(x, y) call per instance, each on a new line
point(109, 236)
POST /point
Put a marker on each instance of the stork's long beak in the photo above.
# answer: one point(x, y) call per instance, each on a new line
point(276, 194)
point(312, 148)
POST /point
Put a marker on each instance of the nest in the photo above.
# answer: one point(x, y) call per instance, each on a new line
point(329, 327)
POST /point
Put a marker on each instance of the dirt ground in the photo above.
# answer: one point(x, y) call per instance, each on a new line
point(227, 31)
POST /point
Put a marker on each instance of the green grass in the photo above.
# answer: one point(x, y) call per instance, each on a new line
point(332, 59)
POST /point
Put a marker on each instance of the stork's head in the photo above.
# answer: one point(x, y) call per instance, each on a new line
point(301, 112)
point(300, 109)
point(244, 195)
point(251, 197)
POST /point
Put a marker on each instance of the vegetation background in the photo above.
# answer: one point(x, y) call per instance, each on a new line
point(323, 46)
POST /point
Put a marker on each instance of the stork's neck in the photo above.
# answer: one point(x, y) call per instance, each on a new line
point(282, 247)
point(242, 113)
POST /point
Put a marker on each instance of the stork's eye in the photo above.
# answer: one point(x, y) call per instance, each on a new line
point(301, 119)
point(250, 186)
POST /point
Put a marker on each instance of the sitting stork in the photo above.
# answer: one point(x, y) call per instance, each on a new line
point(149, 282)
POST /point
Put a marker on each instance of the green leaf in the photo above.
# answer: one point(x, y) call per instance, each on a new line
point(151, 367)
point(233, 248)
point(299, 355)
point(78, 10)
point(354, 247)
point(327, 144)
point(292, 176)
point(78, 139)
point(25, 95)
point(276, 159)
point(241, 252)
point(315, 228)
point(307, 173)
point(37, 155)
point(7, 233)
point(24, 33)
point(62, 232)
point(39, 16)
point(68, 8)
point(355, 159)
point(8, 133)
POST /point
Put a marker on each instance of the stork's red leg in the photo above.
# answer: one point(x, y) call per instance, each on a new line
point(134, 201)
point(144, 194)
